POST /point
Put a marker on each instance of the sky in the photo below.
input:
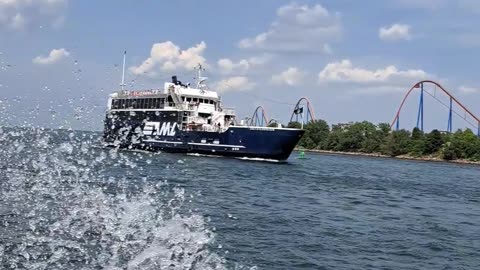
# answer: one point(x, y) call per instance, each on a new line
point(354, 60)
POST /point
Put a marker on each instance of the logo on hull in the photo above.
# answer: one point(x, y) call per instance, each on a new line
point(160, 129)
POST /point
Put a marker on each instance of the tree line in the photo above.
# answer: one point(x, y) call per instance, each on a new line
point(365, 137)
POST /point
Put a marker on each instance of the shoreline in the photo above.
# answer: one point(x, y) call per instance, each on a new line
point(378, 155)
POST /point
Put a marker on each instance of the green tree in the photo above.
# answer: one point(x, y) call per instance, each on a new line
point(352, 138)
point(464, 144)
point(476, 150)
point(417, 142)
point(433, 142)
point(384, 129)
point(294, 125)
point(272, 124)
point(317, 132)
point(449, 152)
point(397, 143)
point(373, 137)
point(333, 140)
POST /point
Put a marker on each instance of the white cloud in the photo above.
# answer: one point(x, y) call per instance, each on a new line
point(21, 14)
point(298, 28)
point(54, 56)
point(468, 90)
point(377, 90)
point(167, 57)
point(260, 60)
point(395, 32)
point(380, 80)
point(227, 66)
point(236, 83)
point(291, 76)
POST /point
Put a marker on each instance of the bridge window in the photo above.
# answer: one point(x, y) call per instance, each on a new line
point(138, 103)
point(115, 104)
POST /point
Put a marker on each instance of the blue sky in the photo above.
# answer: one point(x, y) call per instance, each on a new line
point(354, 59)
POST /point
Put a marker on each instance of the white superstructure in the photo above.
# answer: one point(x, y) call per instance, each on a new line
point(200, 107)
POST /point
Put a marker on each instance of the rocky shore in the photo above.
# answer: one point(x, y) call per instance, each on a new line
point(405, 157)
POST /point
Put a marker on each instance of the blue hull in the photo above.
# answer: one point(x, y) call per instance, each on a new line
point(236, 141)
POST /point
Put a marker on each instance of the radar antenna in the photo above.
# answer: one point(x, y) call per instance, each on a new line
point(200, 79)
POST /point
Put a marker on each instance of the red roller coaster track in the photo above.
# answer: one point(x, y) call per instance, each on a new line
point(309, 109)
point(415, 86)
point(255, 119)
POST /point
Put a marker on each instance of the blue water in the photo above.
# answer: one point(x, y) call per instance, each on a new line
point(66, 203)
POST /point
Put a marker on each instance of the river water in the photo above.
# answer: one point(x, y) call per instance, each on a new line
point(66, 203)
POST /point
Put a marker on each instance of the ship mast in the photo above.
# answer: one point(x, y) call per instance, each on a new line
point(123, 70)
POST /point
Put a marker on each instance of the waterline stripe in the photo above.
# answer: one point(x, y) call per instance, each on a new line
point(219, 145)
point(163, 141)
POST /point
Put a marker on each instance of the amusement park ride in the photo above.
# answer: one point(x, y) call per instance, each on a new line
point(260, 118)
point(452, 100)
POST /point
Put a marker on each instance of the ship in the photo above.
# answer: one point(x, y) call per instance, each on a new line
point(180, 118)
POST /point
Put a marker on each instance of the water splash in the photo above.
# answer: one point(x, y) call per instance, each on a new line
point(66, 204)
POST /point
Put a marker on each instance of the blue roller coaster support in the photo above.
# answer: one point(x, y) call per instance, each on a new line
point(398, 123)
point(420, 110)
point(449, 128)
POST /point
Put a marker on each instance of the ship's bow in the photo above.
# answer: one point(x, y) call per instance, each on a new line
point(268, 143)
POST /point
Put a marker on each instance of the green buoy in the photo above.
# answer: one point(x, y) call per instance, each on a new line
point(301, 155)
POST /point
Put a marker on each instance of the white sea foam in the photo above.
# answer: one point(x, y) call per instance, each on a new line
point(260, 159)
point(72, 212)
